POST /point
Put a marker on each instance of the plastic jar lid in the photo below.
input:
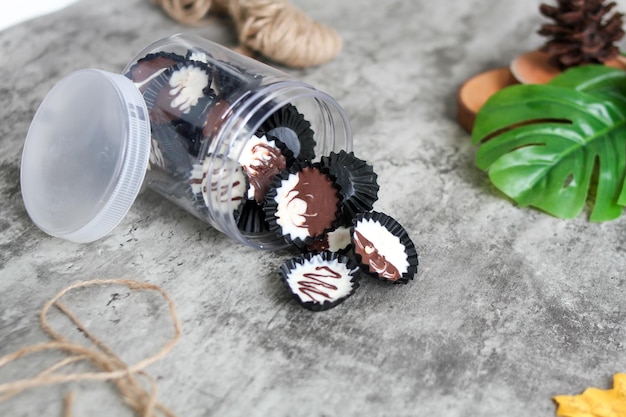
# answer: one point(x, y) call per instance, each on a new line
point(85, 155)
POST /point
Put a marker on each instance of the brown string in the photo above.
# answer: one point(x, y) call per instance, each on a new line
point(273, 28)
point(191, 12)
point(68, 403)
point(112, 367)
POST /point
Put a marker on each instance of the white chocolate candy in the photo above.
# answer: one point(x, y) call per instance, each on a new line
point(187, 86)
point(385, 243)
point(320, 281)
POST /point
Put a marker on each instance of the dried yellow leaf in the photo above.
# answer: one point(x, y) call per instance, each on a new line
point(594, 402)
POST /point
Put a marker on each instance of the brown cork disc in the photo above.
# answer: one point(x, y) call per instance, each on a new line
point(535, 67)
point(475, 92)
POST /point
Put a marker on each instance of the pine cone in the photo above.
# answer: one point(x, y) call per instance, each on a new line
point(582, 32)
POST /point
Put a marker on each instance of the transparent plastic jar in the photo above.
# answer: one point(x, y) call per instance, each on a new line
point(180, 127)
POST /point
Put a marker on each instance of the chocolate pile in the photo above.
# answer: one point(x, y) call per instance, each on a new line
point(268, 183)
point(324, 209)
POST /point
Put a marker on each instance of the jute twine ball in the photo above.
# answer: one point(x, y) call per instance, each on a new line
point(273, 28)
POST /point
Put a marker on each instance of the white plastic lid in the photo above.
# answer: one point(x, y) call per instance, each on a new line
point(85, 155)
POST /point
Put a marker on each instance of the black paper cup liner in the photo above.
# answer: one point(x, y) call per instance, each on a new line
point(168, 143)
point(291, 128)
point(357, 180)
point(251, 218)
point(231, 81)
point(320, 281)
point(191, 125)
point(190, 135)
point(149, 65)
point(393, 255)
point(281, 195)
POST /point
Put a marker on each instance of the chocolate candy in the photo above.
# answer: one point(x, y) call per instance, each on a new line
point(180, 89)
point(320, 281)
point(151, 66)
point(222, 186)
point(262, 159)
point(302, 204)
point(383, 248)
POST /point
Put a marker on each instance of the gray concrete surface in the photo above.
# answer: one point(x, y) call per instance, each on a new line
point(510, 306)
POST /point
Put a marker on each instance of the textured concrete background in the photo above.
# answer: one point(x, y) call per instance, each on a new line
point(509, 308)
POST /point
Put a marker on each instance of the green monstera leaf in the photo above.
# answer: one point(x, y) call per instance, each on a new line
point(558, 145)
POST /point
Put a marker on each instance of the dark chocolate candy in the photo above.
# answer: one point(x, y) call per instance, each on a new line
point(302, 204)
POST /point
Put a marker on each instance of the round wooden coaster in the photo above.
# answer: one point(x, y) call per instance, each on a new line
point(475, 92)
point(535, 67)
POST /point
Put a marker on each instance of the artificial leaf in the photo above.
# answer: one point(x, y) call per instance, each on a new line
point(553, 146)
point(594, 402)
